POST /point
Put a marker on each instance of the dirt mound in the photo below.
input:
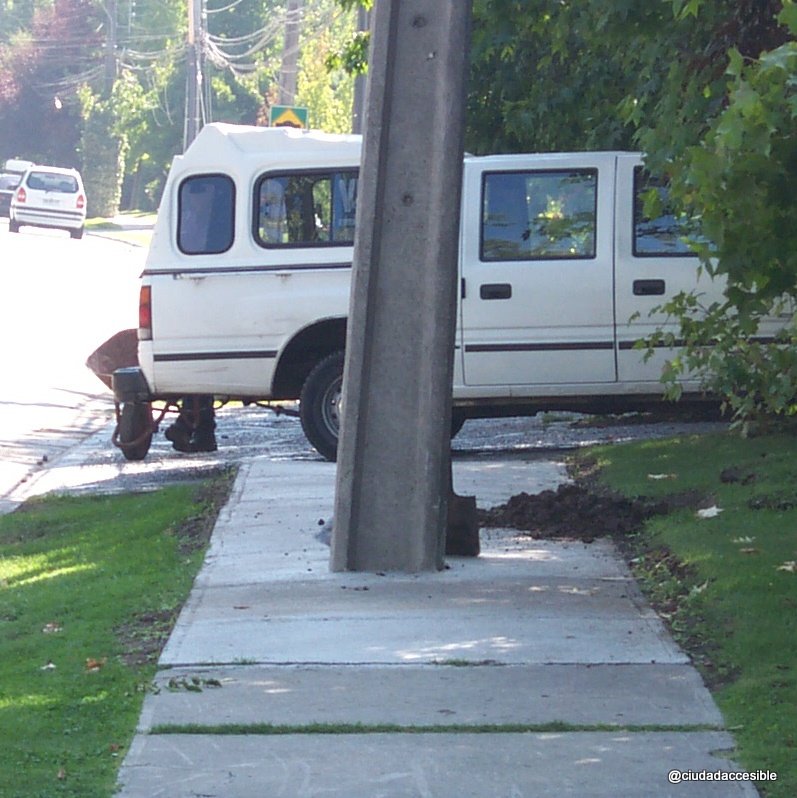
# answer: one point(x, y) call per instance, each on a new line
point(578, 511)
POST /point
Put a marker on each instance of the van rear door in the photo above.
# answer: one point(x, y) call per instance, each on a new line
point(537, 269)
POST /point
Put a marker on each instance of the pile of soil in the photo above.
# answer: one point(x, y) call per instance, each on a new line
point(579, 511)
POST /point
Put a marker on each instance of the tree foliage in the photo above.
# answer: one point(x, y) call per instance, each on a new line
point(706, 89)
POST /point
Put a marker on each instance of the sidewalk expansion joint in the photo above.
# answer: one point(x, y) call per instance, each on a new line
point(560, 727)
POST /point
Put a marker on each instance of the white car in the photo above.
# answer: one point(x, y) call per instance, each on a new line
point(49, 196)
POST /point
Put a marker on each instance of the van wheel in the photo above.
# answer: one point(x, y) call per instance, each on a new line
point(134, 434)
point(320, 406)
point(76, 233)
point(13, 226)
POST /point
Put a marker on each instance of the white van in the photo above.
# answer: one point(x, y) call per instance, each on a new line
point(246, 287)
point(49, 196)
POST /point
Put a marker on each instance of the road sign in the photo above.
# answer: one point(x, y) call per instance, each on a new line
point(287, 116)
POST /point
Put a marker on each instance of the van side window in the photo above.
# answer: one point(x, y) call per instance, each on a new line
point(303, 209)
point(663, 232)
point(206, 214)
point(539, 215)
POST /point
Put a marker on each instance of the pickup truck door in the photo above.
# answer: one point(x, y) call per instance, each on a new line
point(653, 264)
point(537, 265)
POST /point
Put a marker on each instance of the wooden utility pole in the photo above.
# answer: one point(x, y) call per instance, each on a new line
point(195, 60)
point(394, 453)
point(290, 53)
point(358, 106)
point(110, 47)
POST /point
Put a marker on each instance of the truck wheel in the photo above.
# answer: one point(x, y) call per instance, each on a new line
point(135, 430)
point(76, 233)
point(458, 420)
point(13, 226)
point(320, 405)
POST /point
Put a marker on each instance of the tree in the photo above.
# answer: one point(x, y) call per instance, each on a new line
point(39, 70)
point(739, 182)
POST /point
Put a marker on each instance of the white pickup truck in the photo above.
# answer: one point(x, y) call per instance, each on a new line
point(245, 292)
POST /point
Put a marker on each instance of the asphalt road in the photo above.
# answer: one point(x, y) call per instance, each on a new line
point(59, 299)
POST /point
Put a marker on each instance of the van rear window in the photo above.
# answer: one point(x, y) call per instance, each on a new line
point(206, 214)
point(302, 209)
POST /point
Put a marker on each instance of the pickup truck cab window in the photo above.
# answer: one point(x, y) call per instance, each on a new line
point(539, 215)
point(303, 209)
point(206, 214)
point(665, 232)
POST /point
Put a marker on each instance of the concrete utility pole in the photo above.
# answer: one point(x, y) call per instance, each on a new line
point(394, 452)
point(290, 53)
point(194, 53)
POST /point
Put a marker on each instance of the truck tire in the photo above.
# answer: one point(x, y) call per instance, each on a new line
point(135, 430)
point(458, 420)
point(320, 405)
point(13, 226)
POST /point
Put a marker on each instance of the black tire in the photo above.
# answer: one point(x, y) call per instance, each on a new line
point(76, 233)
point(458, 419)
point(320, 405)
point(13, 226)
point(135, 430)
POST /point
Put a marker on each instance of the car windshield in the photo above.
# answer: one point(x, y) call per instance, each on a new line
point(8, 182)
point(49, 181)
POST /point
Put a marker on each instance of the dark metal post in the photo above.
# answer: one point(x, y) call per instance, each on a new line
point(393, 458)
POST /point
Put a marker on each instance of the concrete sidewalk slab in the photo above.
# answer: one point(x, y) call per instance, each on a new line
point(422, 619)
point(551, 765)
point(631, 695)
point(529, 633)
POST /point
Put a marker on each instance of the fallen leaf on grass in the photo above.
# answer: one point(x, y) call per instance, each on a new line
point(51, 628)
point(662, 476)
point(93, 665)
point(790, 567)
point(61, 774)
point(749, 550)
point(747, 539)
point(709, 512)
point(50, 666)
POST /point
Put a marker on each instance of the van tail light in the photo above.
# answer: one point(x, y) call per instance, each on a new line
point(145, 313)
point(22, 195)
point(81, 202)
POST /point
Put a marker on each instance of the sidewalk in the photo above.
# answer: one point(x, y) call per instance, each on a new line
point(509, 669)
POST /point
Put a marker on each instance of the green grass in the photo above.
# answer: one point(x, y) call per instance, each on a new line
point(556, 726)
point(89, 589)
point(725, 584)
point(125, 227)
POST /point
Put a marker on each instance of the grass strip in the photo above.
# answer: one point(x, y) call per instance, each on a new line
point(267, 729)
point(726, 584)
point(89, 591)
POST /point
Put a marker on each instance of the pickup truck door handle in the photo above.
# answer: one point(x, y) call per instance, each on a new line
point(495, 291)
point(648, 287)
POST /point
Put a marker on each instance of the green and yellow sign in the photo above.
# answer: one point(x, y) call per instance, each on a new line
point(287, 116)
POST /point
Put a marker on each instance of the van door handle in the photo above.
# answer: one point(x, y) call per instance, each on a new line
point(495, 291)
point(648, 287)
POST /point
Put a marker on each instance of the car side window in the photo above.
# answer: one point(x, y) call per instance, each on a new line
point(539, 215)
point(206, 214)
point(301, 209)
point(658, 229)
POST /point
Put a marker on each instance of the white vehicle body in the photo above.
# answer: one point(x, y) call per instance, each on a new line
point(559, 272)
point(49, 196)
